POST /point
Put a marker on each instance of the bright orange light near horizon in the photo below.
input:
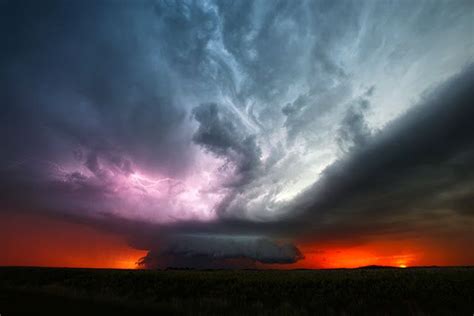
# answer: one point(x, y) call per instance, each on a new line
point(30, 240)
point(127, 264)
point(380, 253)
point(59, 243)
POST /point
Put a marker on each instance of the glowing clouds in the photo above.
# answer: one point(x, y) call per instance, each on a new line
point(129, 193)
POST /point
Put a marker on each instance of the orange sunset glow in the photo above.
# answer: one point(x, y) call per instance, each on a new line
point(358, 256)
point(30, 240)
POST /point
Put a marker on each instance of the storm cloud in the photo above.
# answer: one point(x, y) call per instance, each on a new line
point(219, 251)
point(191, 127)
point(415, 172)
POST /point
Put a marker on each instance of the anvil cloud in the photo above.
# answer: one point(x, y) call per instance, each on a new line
point(245, 126)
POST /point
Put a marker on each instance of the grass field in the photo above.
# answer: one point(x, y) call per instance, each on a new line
point(388, 291)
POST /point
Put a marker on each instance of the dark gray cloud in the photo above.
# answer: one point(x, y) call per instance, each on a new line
point(218, 251)
point(87, 72)
point(220, 133)
point(354, 132)
point(416, 171)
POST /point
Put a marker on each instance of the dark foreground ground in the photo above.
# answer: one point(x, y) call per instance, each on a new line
point(416, 291)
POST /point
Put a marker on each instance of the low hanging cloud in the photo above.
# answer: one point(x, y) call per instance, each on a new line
point(219, 251)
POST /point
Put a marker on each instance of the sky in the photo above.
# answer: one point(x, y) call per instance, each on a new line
point(240, 134)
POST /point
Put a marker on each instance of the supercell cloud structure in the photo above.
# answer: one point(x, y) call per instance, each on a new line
point(215, 130)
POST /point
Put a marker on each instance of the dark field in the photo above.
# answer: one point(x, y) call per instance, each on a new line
point(416, 291)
